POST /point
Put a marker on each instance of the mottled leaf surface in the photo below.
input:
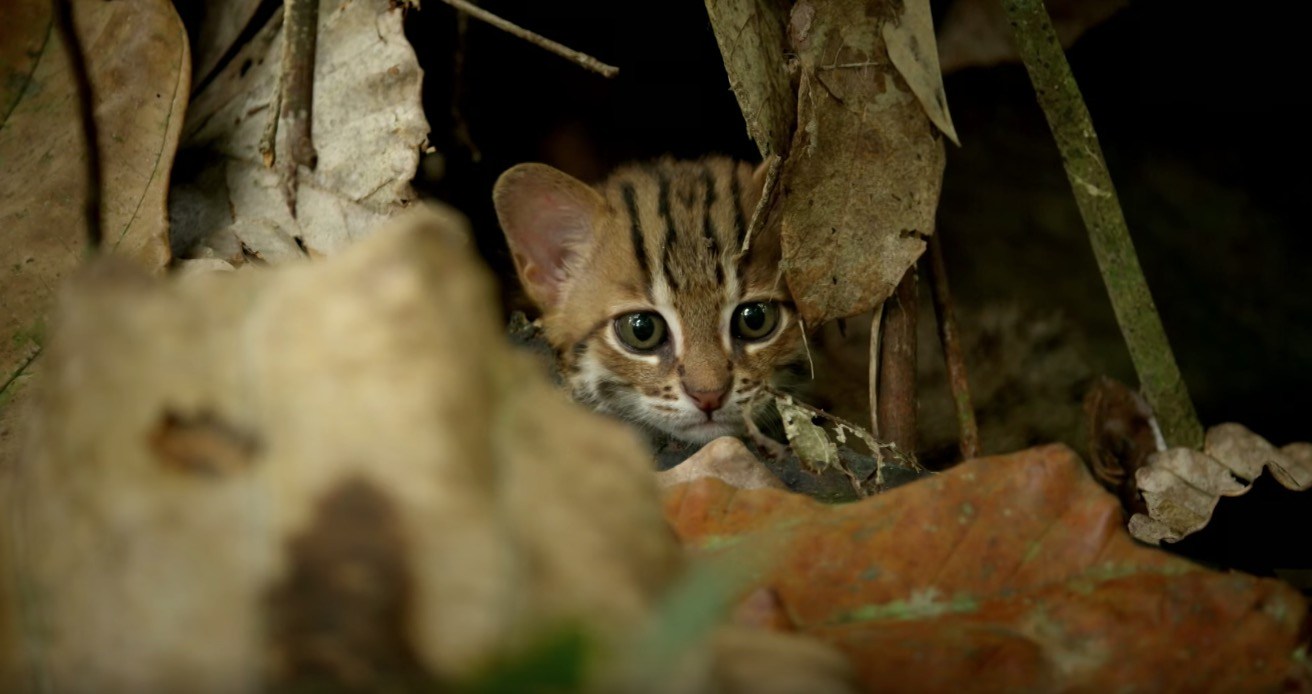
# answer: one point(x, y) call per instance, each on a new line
point(1006, 573)
point(139, 70)
point(862, 179)
point(368, 128)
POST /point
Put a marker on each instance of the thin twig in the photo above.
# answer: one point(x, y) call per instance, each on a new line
point(581, 59)
point(458, 122)
point(1081, 155)
point(876, 330)
point(300, 36)
point(269, 140)
point(958, 380)
point(897, 391)
point(86, 112)
point(767, 191)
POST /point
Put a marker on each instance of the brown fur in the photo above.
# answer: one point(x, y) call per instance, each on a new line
point(575, 252)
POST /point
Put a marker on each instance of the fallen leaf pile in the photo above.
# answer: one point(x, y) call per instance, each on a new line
point(1005, 573)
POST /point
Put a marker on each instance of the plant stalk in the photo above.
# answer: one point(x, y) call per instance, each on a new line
point(1068, 118)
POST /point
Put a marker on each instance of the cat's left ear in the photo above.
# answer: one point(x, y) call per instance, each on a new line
point(548, 217)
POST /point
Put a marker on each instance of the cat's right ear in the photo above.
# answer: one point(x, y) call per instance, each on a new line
point(548, 217)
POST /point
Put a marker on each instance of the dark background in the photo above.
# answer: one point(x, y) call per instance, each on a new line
point(1197, 104)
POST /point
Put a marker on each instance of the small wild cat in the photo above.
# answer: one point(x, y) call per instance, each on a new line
point(655, 315)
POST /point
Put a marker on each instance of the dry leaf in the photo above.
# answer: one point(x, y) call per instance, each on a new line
point(863, 175)
point(808, 440)
point(368, 129)
point(912, 48)
point(751, 38)
point(375, 386)
point(140, 70)
point(1004, 573)
point(725, 459)
point(344, 477)
point(1182, 487)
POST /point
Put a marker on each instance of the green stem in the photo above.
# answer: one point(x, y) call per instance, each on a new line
point(1068, 117)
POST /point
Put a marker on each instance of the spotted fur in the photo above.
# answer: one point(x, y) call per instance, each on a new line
point(662, 237)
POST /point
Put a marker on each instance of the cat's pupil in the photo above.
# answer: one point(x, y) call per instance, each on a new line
point(754, 317)
point(643, 327)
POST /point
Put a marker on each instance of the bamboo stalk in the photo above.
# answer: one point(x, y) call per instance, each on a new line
point(897, 369)
point(1072, 128)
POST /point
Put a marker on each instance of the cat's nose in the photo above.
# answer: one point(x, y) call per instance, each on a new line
point(707, 401)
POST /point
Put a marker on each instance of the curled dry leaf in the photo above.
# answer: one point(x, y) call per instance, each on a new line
point(1004, 573)
point(140, 70)
point(369, 128)
point(1182, 487)
point(862, 177)
point(751, 38)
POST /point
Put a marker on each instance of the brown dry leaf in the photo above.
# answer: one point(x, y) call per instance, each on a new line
point(1004, 573)
point(140, 70)
point(863, 175)
point(975, 32)
point(911, 47)
point(1182, 487)
point(369, 128)
point(751, 38)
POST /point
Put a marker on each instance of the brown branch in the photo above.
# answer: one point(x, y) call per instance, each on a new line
point(876, 330)
point(951, 341)
point(300, 35)
point(86, 110)
point(897, 392)
point(581, 59)
point(767, 191)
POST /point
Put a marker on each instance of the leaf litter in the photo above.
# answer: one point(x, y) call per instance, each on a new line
point(369, 130)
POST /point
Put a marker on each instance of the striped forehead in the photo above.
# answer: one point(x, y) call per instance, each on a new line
point(685, 222)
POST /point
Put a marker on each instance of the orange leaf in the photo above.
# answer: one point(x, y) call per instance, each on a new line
point(1006, 572)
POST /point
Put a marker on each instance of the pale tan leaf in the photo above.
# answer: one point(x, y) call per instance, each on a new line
point(809, 441)
point(1182, 487)
point(751, 38)
point(912, 48)
point(368, 128)
point(725, 459)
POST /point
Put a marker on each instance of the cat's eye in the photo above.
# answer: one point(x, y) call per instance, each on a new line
point(755, 321)
point(643, 331)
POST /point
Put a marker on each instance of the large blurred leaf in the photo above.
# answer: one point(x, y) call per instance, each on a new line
point(1011, 572)
point(139, 69)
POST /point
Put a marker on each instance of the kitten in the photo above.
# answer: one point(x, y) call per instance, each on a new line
point(654, 314)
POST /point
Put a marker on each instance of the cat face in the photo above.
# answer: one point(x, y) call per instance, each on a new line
point(655, 314)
